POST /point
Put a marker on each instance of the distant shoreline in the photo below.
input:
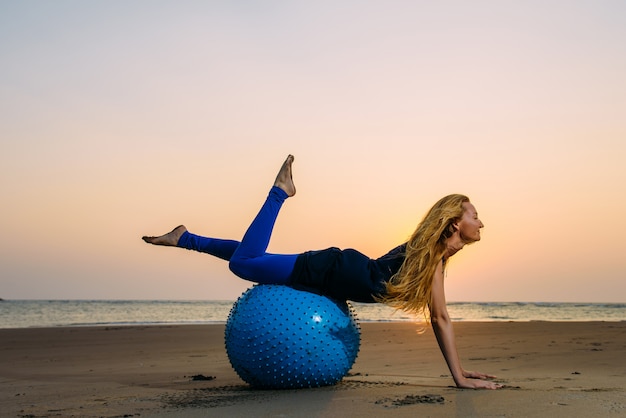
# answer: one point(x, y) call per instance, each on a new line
point(79, 313)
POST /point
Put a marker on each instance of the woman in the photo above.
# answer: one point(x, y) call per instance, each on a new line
point(409, 277)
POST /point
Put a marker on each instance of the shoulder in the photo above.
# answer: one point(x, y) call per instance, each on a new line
point(397, 252)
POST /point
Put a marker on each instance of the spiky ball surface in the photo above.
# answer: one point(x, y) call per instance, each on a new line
point(278, 337)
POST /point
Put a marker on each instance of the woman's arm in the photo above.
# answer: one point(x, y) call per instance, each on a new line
point(442, 326)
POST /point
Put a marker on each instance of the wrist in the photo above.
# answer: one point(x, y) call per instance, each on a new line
point(459, 374)
point(461, 382)
point(459, 379)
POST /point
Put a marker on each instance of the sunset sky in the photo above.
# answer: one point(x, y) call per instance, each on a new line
point(126, 118)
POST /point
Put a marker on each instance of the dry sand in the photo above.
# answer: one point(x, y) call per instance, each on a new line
point(548, 369)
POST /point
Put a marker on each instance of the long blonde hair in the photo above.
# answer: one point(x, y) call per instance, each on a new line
point(410, 288)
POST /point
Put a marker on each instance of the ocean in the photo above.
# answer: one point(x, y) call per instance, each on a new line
point(56, 313)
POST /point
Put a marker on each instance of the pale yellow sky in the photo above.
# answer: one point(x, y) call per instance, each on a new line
point(119, 119)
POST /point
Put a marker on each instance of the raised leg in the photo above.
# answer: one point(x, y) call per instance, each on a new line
point(180, 237)
point(250, 260)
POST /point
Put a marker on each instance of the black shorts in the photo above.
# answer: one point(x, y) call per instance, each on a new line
point(340, 274)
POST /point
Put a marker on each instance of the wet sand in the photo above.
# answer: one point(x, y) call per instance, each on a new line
point(548, 369)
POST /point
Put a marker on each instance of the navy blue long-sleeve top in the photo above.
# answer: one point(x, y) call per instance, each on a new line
point(346, 274)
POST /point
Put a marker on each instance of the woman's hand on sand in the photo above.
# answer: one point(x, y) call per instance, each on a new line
point(477, 380)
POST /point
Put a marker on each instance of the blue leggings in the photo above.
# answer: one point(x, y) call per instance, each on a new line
point(248, 259)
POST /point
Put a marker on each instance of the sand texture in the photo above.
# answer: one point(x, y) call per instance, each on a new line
point(548, 369)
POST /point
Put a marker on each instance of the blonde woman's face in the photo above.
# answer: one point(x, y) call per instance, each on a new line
point(469, 225)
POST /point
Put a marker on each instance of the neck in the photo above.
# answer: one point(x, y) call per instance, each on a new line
point(454, 244)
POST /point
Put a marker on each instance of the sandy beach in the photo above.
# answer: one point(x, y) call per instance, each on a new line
point(548, 369)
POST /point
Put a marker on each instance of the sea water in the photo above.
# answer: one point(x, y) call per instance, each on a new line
point(53, 313)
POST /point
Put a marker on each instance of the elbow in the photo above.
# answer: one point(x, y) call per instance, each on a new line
point(439, 318)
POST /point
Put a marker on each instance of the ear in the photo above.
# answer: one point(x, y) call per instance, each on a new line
point(451, 230)
point(455, 226)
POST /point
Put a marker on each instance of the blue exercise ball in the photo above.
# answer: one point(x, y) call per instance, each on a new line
point(278, 337)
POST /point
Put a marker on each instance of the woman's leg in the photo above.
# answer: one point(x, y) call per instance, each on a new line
point(248, 258)
point(180, 237)
point(250, 261)
point(265, 268)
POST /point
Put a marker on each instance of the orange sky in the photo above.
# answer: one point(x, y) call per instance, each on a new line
point(122, 119)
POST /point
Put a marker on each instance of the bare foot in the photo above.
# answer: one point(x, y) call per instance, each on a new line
point(284, 179)
point(170, 239)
